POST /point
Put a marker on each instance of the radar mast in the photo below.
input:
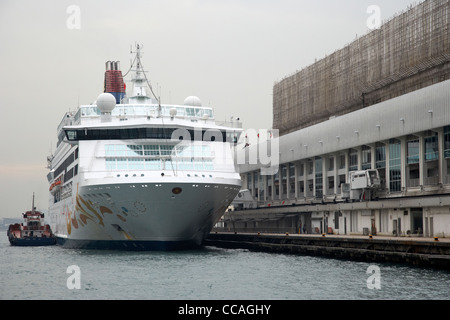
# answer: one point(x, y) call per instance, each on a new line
point(140, 92)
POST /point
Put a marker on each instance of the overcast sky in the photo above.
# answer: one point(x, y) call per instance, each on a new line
point(229, 53)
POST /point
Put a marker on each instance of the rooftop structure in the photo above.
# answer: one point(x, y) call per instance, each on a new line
point(409, 52)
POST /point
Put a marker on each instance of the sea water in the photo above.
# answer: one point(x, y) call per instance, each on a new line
point(208, 274)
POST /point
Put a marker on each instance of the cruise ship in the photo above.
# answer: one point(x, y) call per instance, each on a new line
point(131, 173)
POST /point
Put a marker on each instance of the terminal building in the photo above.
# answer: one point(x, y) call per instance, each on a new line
point(364, 145)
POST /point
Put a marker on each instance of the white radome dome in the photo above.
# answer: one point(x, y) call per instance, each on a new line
point(193, 101)
point(106, 102)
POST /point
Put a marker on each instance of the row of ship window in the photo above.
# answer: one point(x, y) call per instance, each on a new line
point(121, 150)
point(157, 164)
point(176, 134)
point(145, 110)
point(147, 157)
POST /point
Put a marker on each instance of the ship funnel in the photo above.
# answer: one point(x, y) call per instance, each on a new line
point(114, 81)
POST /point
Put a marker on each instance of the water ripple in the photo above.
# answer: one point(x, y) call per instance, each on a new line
point(211, 273)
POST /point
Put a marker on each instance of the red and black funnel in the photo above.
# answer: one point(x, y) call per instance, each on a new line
point(114, 81)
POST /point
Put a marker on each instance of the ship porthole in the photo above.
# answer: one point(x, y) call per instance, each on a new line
point(176, 190)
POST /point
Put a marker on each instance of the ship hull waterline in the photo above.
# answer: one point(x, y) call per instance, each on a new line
point(142, 216)
point(32, 242)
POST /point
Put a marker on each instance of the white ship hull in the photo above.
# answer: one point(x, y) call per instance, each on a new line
point(142, 216)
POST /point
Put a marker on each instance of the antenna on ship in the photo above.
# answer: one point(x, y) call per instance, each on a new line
point(32, 205)
point(139, 92)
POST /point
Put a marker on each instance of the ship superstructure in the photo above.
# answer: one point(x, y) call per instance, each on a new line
point(132, 173)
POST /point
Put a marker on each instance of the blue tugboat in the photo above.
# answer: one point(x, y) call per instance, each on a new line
point(32, 232)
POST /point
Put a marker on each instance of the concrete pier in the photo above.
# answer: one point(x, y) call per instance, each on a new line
point(423, 252)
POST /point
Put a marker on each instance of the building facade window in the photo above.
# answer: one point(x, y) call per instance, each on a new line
point(447, 142)
point(380, 156)
point(301, 171)
point(342, 161)
point(413, 151)
point(330, 163)
point(277, 185)
point(269, 187)
point(262, 187)
point(353, 160)
point(284, 181)
point(291, 180)
point(319, 178)
point(366, 158)
point(412, 160)
point(256, 183)
point(310, 167)
point(431, 167)
point(395, 164)
point(431, 148)
point(249, 181)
